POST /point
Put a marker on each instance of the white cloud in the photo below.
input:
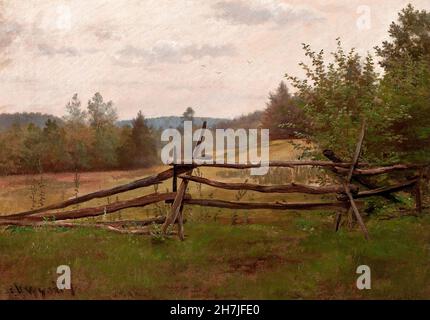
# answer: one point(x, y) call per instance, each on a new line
point(223, 57)
point(170, 52)
point(49, 50)
point(8, 33)
point(255, 12)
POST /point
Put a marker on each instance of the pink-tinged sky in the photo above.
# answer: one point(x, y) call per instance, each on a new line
point(161, 56)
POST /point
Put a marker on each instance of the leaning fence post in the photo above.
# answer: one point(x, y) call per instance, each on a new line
point(177, 206)
point(348, 180)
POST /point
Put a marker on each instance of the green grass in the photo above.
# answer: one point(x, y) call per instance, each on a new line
point(297, 256)
point(277, 255)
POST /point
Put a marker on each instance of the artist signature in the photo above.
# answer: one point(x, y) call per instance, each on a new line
point(20, 291)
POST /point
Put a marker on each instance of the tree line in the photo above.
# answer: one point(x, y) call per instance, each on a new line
point(337, 94)
point(84, 140)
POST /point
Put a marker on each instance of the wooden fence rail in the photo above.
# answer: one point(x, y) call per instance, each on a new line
point(50, 213)
point(345, 190)
point(145, 182)
point(286, 188)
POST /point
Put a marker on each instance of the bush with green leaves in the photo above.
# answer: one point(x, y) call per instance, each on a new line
point(339, 94)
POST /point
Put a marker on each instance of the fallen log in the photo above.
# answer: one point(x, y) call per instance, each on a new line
point(101, 210)
point(110, 226)
point(287, 188)
point(27, 223)
point(151, 180)
point(265, 205)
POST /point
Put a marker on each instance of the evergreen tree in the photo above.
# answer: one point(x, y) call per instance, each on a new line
point(409, 39)
point(138, 147)
point(405, 87)
point(282, 115)
point(54, 153)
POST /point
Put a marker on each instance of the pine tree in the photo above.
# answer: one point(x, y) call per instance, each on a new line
point(145, 151)
point(282, 115)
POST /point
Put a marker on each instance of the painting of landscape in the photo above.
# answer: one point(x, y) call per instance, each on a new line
point(232, 149)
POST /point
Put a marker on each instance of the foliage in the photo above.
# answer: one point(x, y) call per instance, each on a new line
point(405, 89)
point(188, 114)
point(75, 115)
point(246, 121)
point(337, 97)
point(283, 116)
point(84, 140)
point(101, 114)
point(406, 83)
point(137, 147)
point(23, 119)
point(410, 38)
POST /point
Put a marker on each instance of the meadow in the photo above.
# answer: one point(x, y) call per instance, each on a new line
point(227, 254)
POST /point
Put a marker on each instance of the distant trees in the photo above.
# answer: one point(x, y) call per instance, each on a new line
point(75, 115)
point(84, 140)
point(79, 138)
point(138, 148)
point(7, 120)
point(54, 154)
point(188, 114)
point(247, 121)
point(10, 150)
point(102, 116)
point(282, 115)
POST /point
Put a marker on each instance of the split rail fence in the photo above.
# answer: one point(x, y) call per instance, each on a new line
point(351, 178)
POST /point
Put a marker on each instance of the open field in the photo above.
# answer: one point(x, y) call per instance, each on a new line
point(233, 254)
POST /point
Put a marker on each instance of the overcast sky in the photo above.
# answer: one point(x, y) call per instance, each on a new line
point(220, 57)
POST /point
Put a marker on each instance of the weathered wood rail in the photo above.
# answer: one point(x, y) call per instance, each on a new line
point(346, 173)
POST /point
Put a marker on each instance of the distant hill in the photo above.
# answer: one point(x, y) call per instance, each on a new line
point(251, 120)
point(247, 121)
point(175, 122)
point(7, 120)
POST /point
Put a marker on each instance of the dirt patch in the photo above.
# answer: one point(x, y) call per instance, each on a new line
point(185, 291)
point(253, 265)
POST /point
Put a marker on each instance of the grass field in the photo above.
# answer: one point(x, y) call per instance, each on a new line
point(227, 253)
